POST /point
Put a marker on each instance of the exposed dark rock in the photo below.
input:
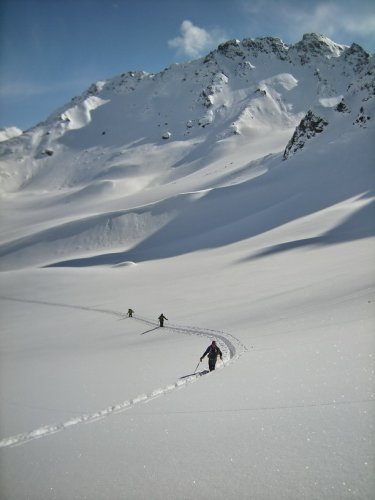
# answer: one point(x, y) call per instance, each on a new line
point(309, 126)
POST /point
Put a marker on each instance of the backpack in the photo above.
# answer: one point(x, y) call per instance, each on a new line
point(213, 352)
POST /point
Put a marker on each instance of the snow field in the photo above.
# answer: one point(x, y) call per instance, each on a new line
point(272, 258)
point(304, 387)
point(230, 346)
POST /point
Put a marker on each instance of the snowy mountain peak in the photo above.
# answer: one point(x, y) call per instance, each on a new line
point(319, 45)
point(246, 99)
point(170, 192)
point(312, 46)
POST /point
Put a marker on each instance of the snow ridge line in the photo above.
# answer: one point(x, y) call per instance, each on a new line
point(231, 347)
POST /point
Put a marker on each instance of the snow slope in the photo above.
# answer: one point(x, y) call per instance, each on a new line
point(8, 133)
point(252, 222)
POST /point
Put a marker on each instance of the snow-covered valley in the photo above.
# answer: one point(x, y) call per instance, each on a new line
point(207, 192)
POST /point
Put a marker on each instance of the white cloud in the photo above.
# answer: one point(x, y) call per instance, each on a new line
point(195, 41)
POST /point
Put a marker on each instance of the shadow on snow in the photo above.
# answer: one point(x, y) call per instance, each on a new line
point(152, 329)
point(195, 374)
point(286, 192)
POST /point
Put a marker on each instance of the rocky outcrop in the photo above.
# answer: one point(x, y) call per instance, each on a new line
point(309, 126)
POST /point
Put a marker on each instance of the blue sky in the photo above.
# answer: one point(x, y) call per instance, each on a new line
point(52, 50)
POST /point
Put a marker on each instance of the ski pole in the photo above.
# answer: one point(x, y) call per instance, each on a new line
point(197, 367)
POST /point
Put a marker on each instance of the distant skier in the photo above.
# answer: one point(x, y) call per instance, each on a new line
point(213, 352)
point(130, 313)
point(161, 319)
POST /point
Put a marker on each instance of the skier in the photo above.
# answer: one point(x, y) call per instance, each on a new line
point(130, 313)
point(213, 352)
point(161, 319)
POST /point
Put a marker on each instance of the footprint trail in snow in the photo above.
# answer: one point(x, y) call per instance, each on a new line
point(230, 346)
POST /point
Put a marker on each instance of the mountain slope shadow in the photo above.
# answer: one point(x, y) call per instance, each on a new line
point(287, 192)
point(360, 225)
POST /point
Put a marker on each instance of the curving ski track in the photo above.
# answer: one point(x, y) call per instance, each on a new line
point(230, 346)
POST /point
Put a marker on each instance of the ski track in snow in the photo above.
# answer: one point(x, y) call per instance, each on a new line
point(230, 346)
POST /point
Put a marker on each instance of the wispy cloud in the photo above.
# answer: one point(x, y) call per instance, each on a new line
point(25, 89)
point(340, 20)
point(333, 19)
point(195, 41)
point(34, 89)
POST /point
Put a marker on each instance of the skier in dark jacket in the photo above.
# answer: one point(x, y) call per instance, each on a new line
point(213, 352)
point(161, 319)
point(130, 313)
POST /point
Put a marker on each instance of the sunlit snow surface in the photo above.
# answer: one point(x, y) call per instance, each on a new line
point(273, 259)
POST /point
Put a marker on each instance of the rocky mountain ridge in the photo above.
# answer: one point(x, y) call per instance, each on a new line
point(246, 89)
